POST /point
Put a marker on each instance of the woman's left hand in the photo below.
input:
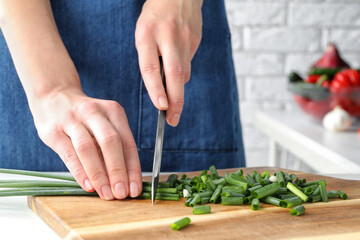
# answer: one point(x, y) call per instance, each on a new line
point(171, 29)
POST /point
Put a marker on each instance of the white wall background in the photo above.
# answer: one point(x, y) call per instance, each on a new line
point(272, 37)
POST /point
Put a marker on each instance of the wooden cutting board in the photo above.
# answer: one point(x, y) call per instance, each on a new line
point(92, 218)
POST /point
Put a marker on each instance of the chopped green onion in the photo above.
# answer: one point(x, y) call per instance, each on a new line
point(342, 195)
point(291, 202)
point(298, 210)
point(197, 210)
point(323, 192)
point(255, 204)
point(296, 191)
point(266, 190)
point(180, 223)
point(216, 194)
point(271, 200)
point(332, 194)
point(232, 200)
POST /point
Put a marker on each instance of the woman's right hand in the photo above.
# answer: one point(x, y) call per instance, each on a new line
point(93, 138)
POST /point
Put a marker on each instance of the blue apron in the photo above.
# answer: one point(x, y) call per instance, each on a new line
point(99, 37)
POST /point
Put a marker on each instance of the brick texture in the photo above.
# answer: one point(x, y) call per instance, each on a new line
point(270, 39)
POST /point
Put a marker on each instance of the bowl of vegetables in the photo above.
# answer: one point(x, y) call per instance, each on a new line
point(330, 83)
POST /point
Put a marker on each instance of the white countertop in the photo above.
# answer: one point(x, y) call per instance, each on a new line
point(18, 221)
point(324, 151)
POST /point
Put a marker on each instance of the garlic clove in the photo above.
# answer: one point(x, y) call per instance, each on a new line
point(337, 120)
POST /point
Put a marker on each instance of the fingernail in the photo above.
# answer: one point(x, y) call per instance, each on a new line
point(163, 102)
point(134, 189)
point(120, 191)
point(106, 191)
point(175, 119)
point(88, 185)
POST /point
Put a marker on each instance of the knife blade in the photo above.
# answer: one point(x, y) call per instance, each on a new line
point(158, 142)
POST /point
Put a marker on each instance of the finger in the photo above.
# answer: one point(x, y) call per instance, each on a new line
point(89, 158)
point(111, 147)
point(119, 120)
point(150, 71)
point(63, 146)
point(175, 79)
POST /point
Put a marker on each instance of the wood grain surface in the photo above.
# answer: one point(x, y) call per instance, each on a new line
point(91, 218)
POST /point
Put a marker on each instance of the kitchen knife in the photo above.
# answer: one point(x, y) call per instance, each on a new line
point(158, 142)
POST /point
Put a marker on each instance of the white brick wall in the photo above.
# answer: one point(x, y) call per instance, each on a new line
point(270, 38)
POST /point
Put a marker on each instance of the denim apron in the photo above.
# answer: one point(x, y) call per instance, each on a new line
point(99, 36)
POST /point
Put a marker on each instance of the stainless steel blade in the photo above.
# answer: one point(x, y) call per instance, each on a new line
point(158, 143)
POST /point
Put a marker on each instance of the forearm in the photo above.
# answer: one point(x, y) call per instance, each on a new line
point(39, 55)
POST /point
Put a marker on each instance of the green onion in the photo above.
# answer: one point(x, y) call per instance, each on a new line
point(160, 184)
point(298, 210)
point(323, 192)
point(187, 203)
point(235, 182)
point(160, 196)
point(204, 200)
point(208, 182)
point(280, 178)
point(288, 195)
point(195, 201)
point(219, 181)
point(296, 191)
point(216, 194)
point(213, 171)
point(160, 190)
point(180, 223)
point(312, 183)
point(332, 194)
point(265, 174)
point(47, 192)
point(37, 174)
point(36, 183)
point(197, 210)
point(291, 202)
point(255, 204)
point(342, 195)
point(250, 180)
point(266, 190)
point(271, 200)
point(315, 198)
point(172, 179)
point(232, 200)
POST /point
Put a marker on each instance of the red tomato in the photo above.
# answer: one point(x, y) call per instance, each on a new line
point(354, 77)
point(312, 78)
point(341, 80)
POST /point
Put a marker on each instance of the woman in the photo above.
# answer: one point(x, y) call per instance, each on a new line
point(84, 64)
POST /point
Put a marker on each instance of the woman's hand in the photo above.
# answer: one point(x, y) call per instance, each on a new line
point(171, 29)
point(91, 136)
point(94, 140)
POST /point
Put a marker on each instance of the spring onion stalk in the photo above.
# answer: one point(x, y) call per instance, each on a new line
point(36, 183)
point(312, 183)
point(160, 196)
point(208, 182)
point(204, 200)
point(172, 179)
point(232, 200)
point(298, 210)
point(187, 203)
point(265, 173)
point(271, 200)
point(38, 174)
point(315, 198)
point(282, 190)
point(195, 201)
point(214, 171)
point(160, 190)
point(219, 181)
point(251, 190)
point(233, 189)
point(317, 191)
point(232, 194)
point(342, 195)
point(281, 179)
point(248, 200)
point(255, 204)
point(180, 223)
point(197, 210)
point(216, 194)
point(266, 190)
point(250, 180)
point(239, 172)
point(236, 182)
point(296, 191)
point(288, 195)
point(203, 194)
point(308, 190)
point(291, 202)
point(47, 192)
point(332, 194)
point(323, 192)
point(160, 184)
